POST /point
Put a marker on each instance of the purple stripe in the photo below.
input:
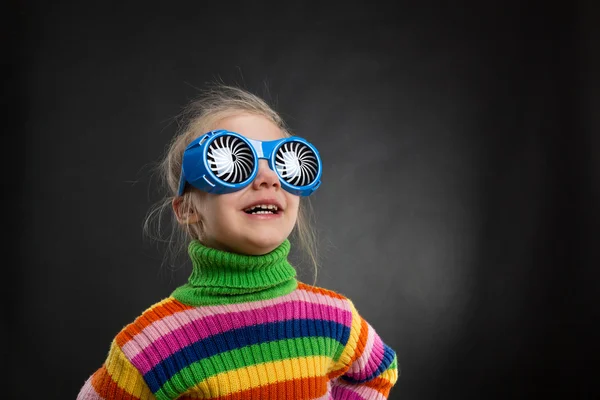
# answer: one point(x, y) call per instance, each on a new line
point(346, 391)
point(203, 327)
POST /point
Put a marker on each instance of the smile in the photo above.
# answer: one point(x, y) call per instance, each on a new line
point(262, 209)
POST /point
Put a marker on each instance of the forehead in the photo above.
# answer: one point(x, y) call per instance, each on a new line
point(251, 126)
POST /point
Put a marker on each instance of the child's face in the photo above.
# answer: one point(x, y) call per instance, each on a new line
point(226, 224)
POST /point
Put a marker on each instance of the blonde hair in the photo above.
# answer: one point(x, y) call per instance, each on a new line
point(216, 102)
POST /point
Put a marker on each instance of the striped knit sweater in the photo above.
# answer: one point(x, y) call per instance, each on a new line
point(243, 327)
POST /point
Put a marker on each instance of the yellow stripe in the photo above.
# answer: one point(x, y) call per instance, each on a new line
point(346, 357)
point(391, 374)
point(125, 374)
point(262, 374)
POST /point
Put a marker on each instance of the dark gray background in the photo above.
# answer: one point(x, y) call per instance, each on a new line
point(459, 201)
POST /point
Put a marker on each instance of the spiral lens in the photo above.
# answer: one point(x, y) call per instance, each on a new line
point(230, 159)
point(296, 163)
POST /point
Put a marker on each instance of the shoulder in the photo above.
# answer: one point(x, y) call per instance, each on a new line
point(325, 295)
point(338, 300)
point(319, 290)
point(156, 317)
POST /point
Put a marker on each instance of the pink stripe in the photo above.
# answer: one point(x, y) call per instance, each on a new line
point(172, 322)
point(361, 363)
point(203, 327)
point(346, 391)
point(374, 359)
point(342, 393)
point(88, 392)
point(327, 395)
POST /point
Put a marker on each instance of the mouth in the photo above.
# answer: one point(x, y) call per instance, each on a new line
point(264, 208)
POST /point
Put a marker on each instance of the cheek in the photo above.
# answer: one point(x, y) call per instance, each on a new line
point(293, 205)
point(215, 208)
point(224, 207)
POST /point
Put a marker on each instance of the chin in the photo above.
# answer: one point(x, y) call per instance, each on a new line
point(258, 247)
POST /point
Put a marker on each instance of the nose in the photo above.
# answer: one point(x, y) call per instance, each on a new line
point(265, 177)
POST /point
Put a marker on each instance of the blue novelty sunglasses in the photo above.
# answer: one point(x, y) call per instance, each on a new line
point(222, 161)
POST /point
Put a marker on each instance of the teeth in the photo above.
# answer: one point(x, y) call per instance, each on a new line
point(262, 208)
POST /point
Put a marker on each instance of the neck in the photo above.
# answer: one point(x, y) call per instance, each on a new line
point(220, 277)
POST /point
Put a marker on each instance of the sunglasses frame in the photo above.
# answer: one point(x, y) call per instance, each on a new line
point(196, 171)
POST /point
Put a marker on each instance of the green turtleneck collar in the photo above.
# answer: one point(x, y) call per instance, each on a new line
point(220, 277)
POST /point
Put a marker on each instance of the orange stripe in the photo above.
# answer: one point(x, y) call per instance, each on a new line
point(336, 373)
point(382, 385)
point(149, 316)
point(106, 387)
point(362, 340)
point(306, 388)
point(360, 347)
point(314, 289)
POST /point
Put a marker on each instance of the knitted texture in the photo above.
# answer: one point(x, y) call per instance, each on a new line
point(219, 277)
point(292, 341)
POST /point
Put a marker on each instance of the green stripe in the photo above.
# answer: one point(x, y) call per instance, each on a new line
point(394, 364)
point(207, 296)
point(221, 277)
point(247, 356)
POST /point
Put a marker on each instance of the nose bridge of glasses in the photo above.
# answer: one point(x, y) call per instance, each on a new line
point(264, 151)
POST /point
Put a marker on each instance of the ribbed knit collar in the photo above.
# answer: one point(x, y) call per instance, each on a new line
point(220, 277)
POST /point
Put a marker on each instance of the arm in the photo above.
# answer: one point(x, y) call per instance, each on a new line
point(367, 368)
point(116, 379)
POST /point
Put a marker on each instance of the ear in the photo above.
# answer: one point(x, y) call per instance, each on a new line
point(184, 213)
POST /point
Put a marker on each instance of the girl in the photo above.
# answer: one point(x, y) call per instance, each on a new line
point(243, 327)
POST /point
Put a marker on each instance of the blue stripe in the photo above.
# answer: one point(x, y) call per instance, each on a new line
point(238, 338)
point(387, 359)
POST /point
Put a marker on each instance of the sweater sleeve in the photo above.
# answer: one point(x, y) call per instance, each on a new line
point(367, 368)
point(117, 379)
